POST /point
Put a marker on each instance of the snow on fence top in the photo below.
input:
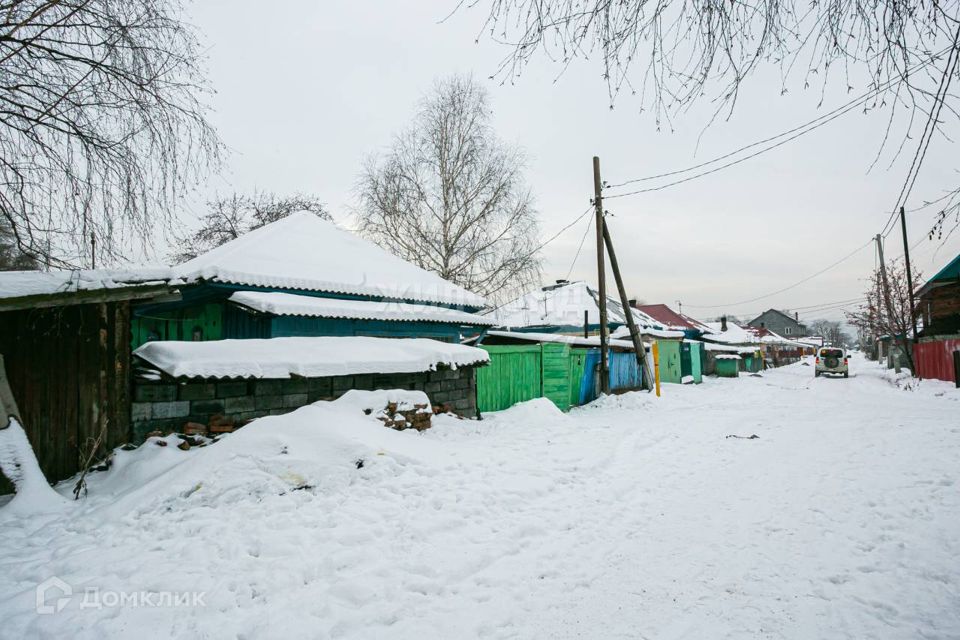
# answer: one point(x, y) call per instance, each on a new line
point(290, 304)
point(302, 251)
point(305, 357)
point(21, 284)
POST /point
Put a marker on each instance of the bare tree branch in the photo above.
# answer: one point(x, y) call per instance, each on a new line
point(234, 215)
point(102, 127)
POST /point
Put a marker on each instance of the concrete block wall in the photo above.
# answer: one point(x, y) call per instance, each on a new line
point(166, 406)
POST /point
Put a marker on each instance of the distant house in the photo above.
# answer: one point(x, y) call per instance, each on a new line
point(681, 359)
point(780, 323)
point(726, 339)
point(938, 305)
point(670, 319)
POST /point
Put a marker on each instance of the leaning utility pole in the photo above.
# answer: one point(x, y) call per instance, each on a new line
point(601, 277)
point(641, 353)
point(906, 257)
point(892, 327)
point(886, 285)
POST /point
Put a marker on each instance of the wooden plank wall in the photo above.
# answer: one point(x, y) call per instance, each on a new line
point(69, 369)
point(513, 375)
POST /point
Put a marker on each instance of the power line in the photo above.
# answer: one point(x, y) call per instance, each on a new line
point(796, 131)
point(929, 128)
point(559, 233)
point(580, 248)
point(792, 286)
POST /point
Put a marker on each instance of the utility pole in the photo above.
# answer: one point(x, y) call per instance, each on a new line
point(601, 277)
point(641, 353)
point(93, 250)
point(892, 327)
point(906, 257)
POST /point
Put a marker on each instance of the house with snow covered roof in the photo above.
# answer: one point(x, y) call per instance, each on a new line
point(563, 307)
point(291, 313)
point(305, 276)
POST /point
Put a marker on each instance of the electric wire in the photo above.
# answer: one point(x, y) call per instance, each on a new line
point(796, 131)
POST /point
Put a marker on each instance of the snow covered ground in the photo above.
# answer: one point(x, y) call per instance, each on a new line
point(636, 517)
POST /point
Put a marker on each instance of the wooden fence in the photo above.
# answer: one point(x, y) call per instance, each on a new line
point(566, 376)
point(934, 358)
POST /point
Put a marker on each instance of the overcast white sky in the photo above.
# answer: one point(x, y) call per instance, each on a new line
point(307, 89)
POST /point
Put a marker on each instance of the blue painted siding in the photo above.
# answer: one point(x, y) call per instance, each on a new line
point(624, 372)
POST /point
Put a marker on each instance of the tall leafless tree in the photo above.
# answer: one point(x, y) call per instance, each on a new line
point(234, 215)
point(102, 123)
point(873, 319)
point(830, 330)
point(450, 197)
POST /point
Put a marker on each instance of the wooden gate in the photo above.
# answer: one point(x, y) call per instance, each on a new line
point(68, 368)
point(513, 375)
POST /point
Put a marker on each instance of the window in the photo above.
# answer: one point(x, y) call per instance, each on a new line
point(788, 330)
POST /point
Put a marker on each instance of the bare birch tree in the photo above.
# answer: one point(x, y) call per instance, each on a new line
point(450, 197)
point(102, 126)
point(234, 215)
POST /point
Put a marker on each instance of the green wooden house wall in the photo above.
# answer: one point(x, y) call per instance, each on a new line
point(205, 313)
point(201, 321)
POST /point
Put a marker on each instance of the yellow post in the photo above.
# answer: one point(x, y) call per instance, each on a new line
point(656, 365)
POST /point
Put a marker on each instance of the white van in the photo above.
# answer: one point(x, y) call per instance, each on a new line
point(832, 360)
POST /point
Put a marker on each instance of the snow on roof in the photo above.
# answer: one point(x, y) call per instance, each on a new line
point(305, 357)
point(20, 284)
point(735, 334)
point(624, 332)
point(728, 356)
point(303, 251)
point(771, 337)
point(557, 305)
point(290, 304)
point(577, 341)
point(725, 348)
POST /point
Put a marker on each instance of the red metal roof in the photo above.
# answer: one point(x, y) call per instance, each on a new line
point(670, 318)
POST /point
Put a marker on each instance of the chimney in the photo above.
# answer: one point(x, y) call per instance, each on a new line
point(723, 323)
point(632, 302)
point(796, 316)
